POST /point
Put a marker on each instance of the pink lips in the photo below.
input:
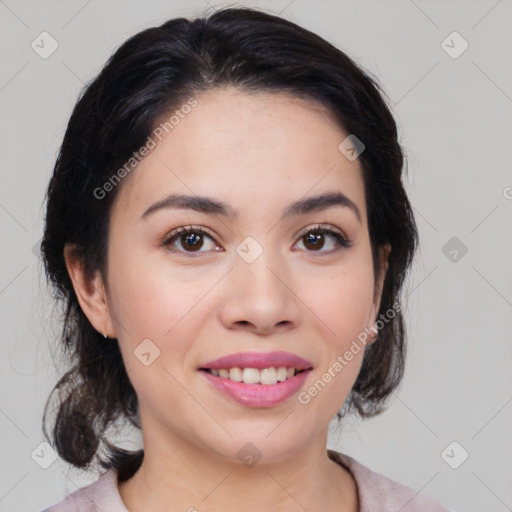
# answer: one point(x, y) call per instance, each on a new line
point(259, 395)
point(259, 360)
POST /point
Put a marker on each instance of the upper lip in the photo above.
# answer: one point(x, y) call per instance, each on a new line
point(259, 360)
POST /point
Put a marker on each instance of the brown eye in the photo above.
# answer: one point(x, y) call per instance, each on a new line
point(190, 239)
point(320, 238)
point(314, 241)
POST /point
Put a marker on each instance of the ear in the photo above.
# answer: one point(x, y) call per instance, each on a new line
point(379, 283)
point(90, 291)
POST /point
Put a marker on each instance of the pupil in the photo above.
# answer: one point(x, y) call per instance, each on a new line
point(192, 240)
point(315, 240)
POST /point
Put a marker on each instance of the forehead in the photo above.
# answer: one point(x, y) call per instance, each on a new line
point(246, 148)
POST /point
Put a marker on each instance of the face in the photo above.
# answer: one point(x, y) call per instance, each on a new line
point(242, 273)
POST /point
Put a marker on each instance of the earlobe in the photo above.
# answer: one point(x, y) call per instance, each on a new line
point(90, 291)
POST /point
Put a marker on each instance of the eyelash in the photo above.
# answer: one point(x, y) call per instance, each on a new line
point(341, 241)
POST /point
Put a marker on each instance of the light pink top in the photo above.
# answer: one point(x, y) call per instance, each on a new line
point(377, 493)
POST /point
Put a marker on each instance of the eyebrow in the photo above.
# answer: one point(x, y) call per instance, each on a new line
point(209, 205)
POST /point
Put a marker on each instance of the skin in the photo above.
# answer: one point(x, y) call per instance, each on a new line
point(258, 153)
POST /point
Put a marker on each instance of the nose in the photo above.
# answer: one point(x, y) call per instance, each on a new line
point(260, 296)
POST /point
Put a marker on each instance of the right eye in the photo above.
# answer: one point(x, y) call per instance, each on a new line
point(191, 239)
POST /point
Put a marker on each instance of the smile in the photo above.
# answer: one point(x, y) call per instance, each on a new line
point(266, 376)
point(257, 379)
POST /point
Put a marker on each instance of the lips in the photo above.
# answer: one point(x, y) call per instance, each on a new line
point(257, 379)
point(258, 360)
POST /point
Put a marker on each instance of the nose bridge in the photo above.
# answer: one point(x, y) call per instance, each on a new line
point(257, 265)
point(259, 293)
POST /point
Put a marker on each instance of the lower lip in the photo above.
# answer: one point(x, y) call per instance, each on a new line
point(258, 395)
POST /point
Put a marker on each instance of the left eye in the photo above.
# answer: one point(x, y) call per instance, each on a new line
point(317, 238)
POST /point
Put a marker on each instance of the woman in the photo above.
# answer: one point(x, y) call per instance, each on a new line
point(227, 226)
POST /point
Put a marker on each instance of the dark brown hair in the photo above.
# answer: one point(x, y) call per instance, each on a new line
point(151, 74)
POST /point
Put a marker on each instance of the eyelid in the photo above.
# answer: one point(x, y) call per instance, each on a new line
point(320, 227)
point(185, 229)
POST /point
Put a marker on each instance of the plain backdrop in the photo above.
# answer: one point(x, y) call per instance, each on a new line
point(454, 109)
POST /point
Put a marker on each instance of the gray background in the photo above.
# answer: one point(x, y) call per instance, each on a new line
point(455, 118)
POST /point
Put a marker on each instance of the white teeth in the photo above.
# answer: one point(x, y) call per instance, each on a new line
point(236, 374)
point(281, 374)
point(251, 376)
point(266, 376)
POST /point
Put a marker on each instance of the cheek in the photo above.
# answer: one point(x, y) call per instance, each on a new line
point(342, 297)
point(351, 300)
point(151, 302)
point(342, 303)
point(155, 317)
point(138, 290)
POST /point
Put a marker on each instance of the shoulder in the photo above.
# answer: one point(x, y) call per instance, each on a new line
point(377, 493)
point(100, 495)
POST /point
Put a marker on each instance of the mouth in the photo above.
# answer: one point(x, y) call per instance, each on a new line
point(257, 379)
point(266, 376)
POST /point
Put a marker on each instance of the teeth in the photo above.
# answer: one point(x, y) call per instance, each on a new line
point(266, 376)
point(281, 374)
point(236, 374)
point(251, 376)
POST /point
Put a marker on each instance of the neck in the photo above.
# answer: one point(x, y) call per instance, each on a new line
point(178, 475)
